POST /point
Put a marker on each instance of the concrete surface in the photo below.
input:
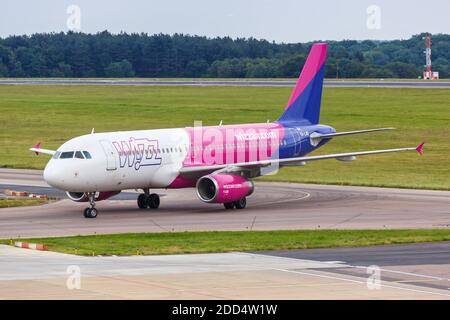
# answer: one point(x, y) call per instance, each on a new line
point(28, 274)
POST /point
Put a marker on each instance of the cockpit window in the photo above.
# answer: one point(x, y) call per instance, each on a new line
point(72, 154)
point(79, 155)
point(87, 155)
point(66, 155)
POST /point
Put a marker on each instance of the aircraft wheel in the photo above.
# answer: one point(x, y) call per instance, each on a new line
point(241, 203)
point(229, 205)
point(93, 213)
point(142, 201)
point(153, 201)
point(90, 213)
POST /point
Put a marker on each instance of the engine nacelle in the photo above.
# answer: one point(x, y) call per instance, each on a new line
point(221, 188)
point(83, 197)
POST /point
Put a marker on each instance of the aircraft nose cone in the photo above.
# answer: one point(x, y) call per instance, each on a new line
point(48, 175)
point(51, 176)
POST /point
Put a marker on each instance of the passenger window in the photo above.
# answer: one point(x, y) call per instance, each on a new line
point(78, 155)
point(66, 155)
point(87, 155)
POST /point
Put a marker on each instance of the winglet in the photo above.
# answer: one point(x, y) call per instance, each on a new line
point(37, 146)
point(419, 148)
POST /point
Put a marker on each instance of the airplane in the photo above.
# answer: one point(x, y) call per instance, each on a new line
point(219, 161)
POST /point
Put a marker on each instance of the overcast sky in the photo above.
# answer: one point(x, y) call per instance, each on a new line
point(279, 20)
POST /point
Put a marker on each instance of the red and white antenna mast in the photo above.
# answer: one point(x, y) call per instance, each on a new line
point(428, 73)
point(428, 53)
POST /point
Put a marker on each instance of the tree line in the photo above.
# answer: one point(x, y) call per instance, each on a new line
point(104, 54)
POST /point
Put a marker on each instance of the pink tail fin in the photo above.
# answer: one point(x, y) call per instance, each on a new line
point(315, 61)
point(304, 103)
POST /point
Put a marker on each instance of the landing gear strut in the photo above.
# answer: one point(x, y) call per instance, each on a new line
point(91, 212)
point(148, 200)
point(239, 204)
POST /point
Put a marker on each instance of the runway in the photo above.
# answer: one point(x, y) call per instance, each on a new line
point(272, 206)
point(232, 82)
point(28, 274)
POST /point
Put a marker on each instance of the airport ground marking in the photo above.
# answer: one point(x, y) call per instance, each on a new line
point(305, 196)
point(389, 270)
point(360, 282)
point(405, 273)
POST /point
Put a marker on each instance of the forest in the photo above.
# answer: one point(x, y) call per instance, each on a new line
point(103, 54)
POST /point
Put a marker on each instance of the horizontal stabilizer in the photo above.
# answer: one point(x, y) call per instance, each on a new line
point(317, 137)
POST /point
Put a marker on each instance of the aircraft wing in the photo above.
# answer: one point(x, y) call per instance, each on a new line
point(193, 171)
point(37, 149)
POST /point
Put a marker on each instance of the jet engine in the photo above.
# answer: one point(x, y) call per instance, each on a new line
point(83, 197)
point(223, 188)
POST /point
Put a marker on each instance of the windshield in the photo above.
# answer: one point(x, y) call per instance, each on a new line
point(79, 155)
point(66, 155)
point(72, 154)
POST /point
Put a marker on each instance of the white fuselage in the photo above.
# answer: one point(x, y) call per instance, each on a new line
point(119, 160)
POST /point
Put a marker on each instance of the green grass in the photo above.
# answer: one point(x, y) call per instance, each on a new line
point(54, 114)
point(8, 203)
point(228, 241)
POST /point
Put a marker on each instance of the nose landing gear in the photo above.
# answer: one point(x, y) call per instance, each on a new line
point(148, 200)
point(91, 212)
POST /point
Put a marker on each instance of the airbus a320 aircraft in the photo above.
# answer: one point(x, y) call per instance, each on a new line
point(218, 161)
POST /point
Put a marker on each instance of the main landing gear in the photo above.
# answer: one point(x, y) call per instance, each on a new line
point(91, 212)
point(148, 200)
point(239, 204)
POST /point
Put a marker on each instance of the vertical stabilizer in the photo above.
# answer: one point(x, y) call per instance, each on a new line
point(304, 103)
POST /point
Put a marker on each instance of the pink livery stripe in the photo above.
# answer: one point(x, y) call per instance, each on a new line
point(219, 145)
point(233, 144)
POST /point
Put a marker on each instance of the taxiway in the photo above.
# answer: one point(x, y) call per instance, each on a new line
point(272, 206)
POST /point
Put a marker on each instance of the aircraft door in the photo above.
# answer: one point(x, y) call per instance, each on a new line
point(111, 163)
